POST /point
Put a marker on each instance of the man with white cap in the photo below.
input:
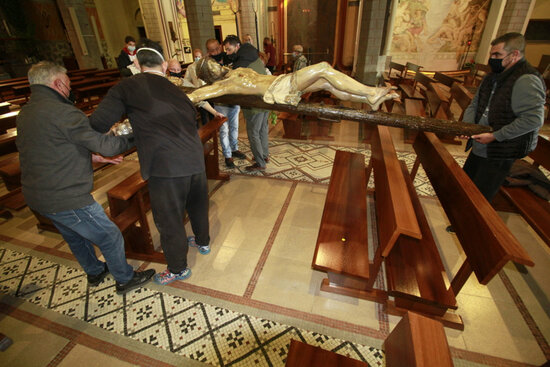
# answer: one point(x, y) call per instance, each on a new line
point(170, 155)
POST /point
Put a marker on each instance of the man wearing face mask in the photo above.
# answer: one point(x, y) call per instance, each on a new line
point(511, 100)
point(170, 155)
point(300, 60)
point(229, 131)
point(55, 141)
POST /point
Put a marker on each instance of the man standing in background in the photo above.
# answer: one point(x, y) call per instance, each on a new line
point(229, 131)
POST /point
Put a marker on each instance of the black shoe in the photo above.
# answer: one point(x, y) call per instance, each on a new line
point(450, 229)
point(238, 154)
point(229, 163)
point(266, 159)
point(140, 278)
point(95, 280)
point(255, 167)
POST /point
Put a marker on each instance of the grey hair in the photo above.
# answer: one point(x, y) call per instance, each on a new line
point(45, 72)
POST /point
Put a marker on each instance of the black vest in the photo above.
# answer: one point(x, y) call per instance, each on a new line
point(501, 113)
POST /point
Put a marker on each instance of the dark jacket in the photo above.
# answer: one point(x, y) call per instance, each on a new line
point(246, 55)
point(55, 141)
point(163, 120)
point(501, 113)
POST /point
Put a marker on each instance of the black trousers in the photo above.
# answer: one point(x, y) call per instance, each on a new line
point(171, 197)
point(488, 174)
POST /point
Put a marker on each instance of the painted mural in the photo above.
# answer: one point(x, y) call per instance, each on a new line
point(429, 30)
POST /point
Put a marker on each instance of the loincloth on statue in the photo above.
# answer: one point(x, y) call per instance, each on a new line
point(283, 90)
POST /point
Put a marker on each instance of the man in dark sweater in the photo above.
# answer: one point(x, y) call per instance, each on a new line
point(246, 56)
point(170, 155)
point(510, 99)
point(55, 142)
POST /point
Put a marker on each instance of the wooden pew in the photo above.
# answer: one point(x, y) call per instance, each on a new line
point(292, 125)
point(7, 142)
point(417, 341)
point(462, 96)
point(4, 107)
point(411, 70)
point(535, 210)
point(342, 248)
point(7, 121)
point(485, 239)
point(94, 90)
point(302, 355)
point(400, 73)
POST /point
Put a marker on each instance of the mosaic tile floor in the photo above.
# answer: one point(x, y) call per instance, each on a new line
point(308, 162)
point(209, 334)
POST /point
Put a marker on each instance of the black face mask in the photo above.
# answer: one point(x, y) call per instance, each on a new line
point(496, 65)
point(218, 57)
point(179, 75)
point(71, 97)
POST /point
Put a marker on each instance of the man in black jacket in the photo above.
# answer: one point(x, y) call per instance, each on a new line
point(55, 142)
point(170, 155)
point(246, 56)
point(127, 56)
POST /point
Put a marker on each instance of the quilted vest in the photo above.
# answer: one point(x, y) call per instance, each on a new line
point(501, 113)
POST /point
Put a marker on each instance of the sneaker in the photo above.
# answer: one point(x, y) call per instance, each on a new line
point(255, 167)
point(450, 229)
point(140, 278)
point(167, 277)
point(238, 154)
point(95, 280)
point(203, 250)
point(229, 163)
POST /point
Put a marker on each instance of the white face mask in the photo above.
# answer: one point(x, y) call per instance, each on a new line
point(131, 48)
point(197, 58)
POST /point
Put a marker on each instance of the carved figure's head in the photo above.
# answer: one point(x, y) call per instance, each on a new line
point(210, 71)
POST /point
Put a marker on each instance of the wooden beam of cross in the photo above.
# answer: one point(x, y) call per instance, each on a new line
point(369, 117)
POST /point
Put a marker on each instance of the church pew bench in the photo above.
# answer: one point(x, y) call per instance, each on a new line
point(413, 107)
point(7, 121)
point(301, 355)
point(415, 274)
point(4, 107)
point(417, 341)
point(342, 246)
point(94, 90)
point(462, 96)
point(292, 125)
point(396, 77)
point(534, 209)
point(486, 240)
point(80, 71)
point(7, 142)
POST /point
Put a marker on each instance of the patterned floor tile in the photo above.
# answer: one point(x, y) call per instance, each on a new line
point(196, 330)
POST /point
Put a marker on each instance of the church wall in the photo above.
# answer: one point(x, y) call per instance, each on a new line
point(117, 20)
point(535, 49)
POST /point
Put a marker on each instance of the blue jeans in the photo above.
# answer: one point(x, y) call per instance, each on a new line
point(229, 131)
point(82, 227)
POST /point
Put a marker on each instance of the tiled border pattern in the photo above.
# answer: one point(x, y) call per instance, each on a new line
point(79, 338)
point(195, 330)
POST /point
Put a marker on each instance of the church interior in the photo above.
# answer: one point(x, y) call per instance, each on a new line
point(286, 271)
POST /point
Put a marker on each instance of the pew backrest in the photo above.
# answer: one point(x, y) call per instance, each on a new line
point(394, 208)
point(541, 154)
point(485, 238)
point(462, 96)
